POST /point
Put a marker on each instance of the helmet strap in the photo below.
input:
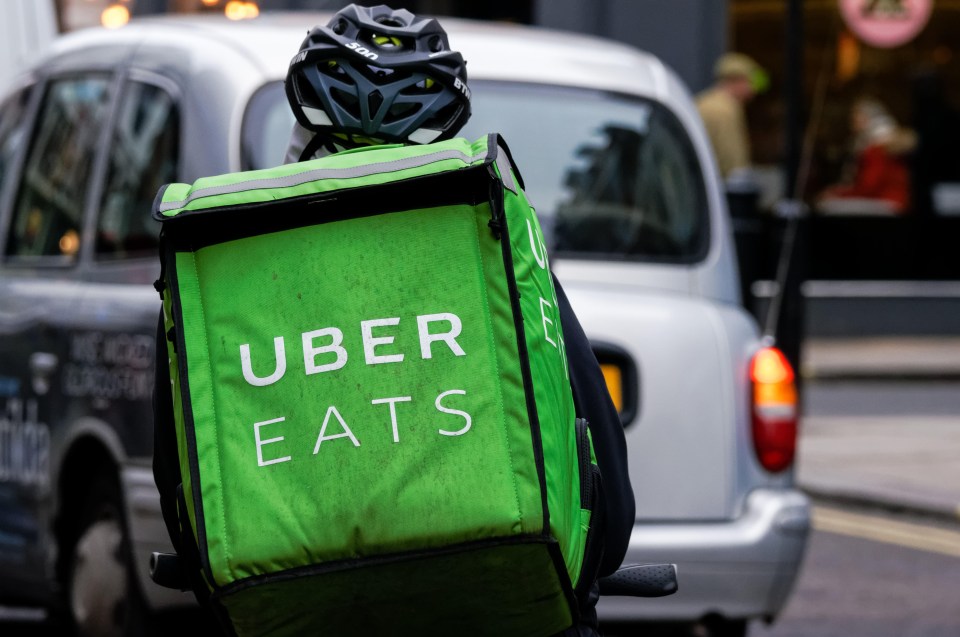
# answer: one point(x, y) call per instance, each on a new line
point(317, 142)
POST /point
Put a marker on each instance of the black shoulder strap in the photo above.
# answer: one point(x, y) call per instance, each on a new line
point(315, 144)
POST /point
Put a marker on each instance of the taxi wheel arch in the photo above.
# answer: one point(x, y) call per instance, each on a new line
point(719, 626)
point(93, 542)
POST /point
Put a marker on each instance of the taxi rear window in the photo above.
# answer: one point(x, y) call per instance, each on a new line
point(613, 177)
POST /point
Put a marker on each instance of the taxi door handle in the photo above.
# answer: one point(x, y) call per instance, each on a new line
point(42, 365)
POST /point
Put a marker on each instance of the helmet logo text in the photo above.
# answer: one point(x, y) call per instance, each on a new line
point(362, 50)
point(459, 84)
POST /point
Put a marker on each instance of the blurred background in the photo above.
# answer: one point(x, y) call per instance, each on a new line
point(875, 273)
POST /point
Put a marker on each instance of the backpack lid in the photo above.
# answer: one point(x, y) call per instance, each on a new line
point(332, 174)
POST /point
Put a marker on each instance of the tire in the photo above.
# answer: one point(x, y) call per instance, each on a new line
point(102, 595)
point(721, 627)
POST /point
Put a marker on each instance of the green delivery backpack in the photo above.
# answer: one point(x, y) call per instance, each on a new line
point(374, 419)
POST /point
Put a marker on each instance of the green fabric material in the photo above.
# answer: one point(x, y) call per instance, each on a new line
point(551, 379)
point(513, 589)
point(357, 387)
point(178, 412)
point(336, 172)
point(353, 476)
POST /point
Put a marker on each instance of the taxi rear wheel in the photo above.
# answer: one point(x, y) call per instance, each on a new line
point(102, 595)
point(720, 627)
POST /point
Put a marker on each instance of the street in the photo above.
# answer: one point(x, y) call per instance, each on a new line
point(867, 573)
point(871, 571)
point(886, 398)
point(877, 575)
point(875, 571)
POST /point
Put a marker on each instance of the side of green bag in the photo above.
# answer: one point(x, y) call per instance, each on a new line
point(373, 412)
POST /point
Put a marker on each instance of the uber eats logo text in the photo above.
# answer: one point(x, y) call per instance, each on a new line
point(324, 352)
point(549, 308)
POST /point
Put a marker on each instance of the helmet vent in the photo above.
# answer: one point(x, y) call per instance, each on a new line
point(426, 85)
point(444, 117)
point(335, 70)
point(375, 101)
point(346, 101)
point(306, 93)
point(399, 111)
point(388, 22)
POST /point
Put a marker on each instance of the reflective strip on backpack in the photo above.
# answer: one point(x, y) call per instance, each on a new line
point(504, 166)
point(330, 173)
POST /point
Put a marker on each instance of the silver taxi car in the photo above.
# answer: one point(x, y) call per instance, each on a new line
point(615, 159)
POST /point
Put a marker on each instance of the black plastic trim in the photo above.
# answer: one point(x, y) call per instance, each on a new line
point(569, 591)
point(188, 421)
point(593, 554)
point(497, 210)
point(585, 461)
point(200, 229)
point(608, 353)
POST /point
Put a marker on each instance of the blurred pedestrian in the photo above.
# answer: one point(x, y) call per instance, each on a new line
point(876, 179)
point(737, 79)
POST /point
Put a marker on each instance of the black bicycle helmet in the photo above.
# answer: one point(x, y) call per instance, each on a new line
point(375, 75)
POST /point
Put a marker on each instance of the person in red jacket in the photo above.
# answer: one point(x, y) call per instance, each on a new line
point(879, 177)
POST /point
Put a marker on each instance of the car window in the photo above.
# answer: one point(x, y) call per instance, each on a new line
point(12, 134)
point(143, 156)
point(267, 124)
point(48, 211)
point(612, 176)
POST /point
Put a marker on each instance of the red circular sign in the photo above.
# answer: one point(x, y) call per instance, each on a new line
point(886, 23)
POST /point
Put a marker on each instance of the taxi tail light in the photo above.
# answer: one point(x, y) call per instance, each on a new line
point(774, 409)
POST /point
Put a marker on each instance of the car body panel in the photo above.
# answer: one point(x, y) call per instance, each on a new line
point(27, 29)
point(740, 570)
point(687, 418)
